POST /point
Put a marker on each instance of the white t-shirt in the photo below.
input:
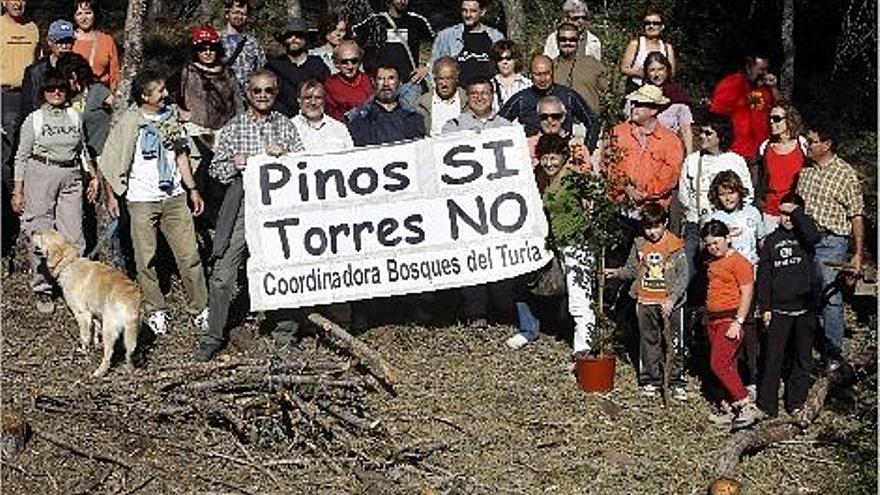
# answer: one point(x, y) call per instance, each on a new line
point(442, 111)
point(746, 229)
point(330, 135)
point(143, 179)
point(690, 188)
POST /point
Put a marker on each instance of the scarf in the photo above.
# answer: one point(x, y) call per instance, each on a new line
point(152, 148)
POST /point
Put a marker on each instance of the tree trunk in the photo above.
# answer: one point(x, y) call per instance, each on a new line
point(515, 15)
point(155, 9)
point(294, 9)
point(133, 53)
point(786, 72)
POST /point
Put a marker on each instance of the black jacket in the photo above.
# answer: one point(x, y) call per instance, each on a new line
point(31, 85)
point(787, 278)
point(372, 124)
point(290, 76)
point(523, 106)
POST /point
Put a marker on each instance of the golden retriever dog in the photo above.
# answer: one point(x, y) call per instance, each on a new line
point(96, 294)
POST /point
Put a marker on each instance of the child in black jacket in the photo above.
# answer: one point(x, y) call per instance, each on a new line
point(788, 292)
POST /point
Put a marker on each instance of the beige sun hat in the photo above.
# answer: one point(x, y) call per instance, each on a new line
point(648, 94)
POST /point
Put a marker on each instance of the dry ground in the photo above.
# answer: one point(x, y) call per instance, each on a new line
point(491, 421)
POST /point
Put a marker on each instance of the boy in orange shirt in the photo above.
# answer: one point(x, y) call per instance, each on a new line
point(658, 264)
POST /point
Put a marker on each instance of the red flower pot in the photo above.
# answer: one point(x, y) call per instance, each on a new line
point(595, 373)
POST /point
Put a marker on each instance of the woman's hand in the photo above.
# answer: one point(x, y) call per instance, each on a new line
point(734, 331)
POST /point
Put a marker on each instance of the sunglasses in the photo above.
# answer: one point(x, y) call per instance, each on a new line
point(642, 104)
point(54, 89)
point(505, 58)
point(707, 132)
point(554, 116)
point(653, 23)
point(352, 61)
point(206, 48)
point(577, 18)
point(566, 39)
point(777, 118)
point(270, 90)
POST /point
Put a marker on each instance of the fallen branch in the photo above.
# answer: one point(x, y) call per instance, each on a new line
point(374, 362)
point(771, 432)
point(78, 451)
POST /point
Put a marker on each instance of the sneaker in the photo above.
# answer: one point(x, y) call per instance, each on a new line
point(722, 417)
point(207, 351)
point(479, 324)
point(517, 341)
point(748, 415)
point(45, 304)
point(752, 390)
point(200, 320)
point(158, 322)
point(680, 393)
point(648, 390)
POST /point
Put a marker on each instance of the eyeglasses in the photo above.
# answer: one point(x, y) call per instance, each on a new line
point(707, 132)
point(206, 47)
point(642, 104)
point(54, 89)
point(576, 18)
point(345, 61)
point(553, 115)
point(777, 118)
point(653, 23)
point(505, 58)
point(567, 39)
point(270, 90)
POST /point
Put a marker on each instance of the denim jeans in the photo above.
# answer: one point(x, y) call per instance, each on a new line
point(529, 325)
point(831, 248)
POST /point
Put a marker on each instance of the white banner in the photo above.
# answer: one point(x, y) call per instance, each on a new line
point(450, 211)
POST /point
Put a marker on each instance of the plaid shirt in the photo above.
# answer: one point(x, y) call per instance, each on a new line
point(832, 194)
point(251, 59)
point(245, 135)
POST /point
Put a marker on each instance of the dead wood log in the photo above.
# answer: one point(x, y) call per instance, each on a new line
point(94, 455)
point(374, 362)
point(770, 432)
point(353, 420)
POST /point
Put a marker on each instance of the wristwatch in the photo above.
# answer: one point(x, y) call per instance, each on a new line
point(740, 319)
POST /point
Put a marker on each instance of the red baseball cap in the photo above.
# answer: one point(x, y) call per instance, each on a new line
point(204, 34)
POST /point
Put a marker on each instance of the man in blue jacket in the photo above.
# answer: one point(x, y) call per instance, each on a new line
point(383, 119)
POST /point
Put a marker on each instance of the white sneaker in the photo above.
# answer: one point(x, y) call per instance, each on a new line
point(680, 393)
point(517, 341)
point(753, 392)
point(158, 322)
point(200, 320)
point(649, 390)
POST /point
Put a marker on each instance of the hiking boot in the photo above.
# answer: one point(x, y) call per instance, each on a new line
point(748, 415)
point(517, 341)
point(200, 320)
point(158, 322)
point(648, 390)
point(207, 351)
point(45, 304)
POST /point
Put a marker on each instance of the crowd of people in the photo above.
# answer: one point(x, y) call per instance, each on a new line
point(739, 212)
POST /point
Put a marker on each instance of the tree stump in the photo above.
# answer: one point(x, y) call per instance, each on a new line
point(14, 434)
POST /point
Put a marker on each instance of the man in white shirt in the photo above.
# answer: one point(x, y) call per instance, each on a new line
point(319, 131)
point(447, 100)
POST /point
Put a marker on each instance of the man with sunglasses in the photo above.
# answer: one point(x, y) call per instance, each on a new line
point(577, 71)
point(295, 66)
point(350, 87)
point(60, 40)
point(746, 98)
point(523, 106)
point(577, 13)
point(259, 129)
point(650, 155)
